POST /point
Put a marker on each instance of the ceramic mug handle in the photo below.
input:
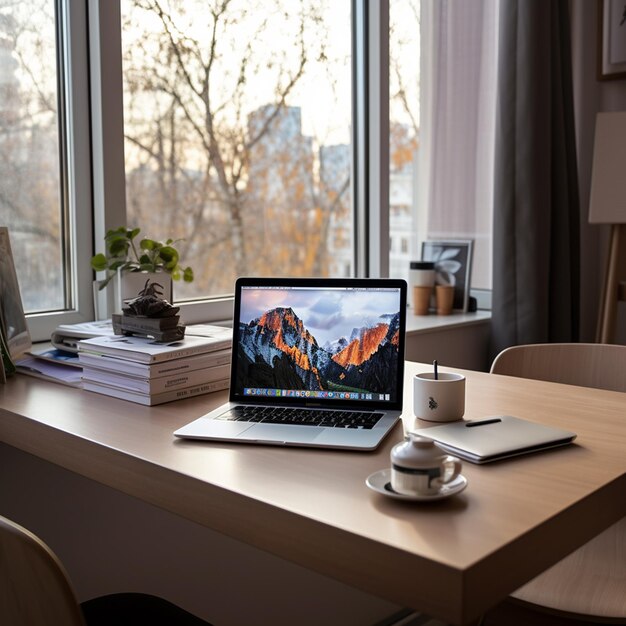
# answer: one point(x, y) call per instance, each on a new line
point(451, 466)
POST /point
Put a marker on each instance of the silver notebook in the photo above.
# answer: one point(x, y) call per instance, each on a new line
point(495, 437)
point(315, 362)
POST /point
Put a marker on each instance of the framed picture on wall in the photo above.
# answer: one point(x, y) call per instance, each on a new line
point(12, 318)
point(611, 39)
point(453, 266)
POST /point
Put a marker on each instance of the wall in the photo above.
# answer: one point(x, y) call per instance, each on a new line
point(590, 97)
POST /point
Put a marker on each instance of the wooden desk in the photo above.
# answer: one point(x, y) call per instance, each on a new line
point(452, 559)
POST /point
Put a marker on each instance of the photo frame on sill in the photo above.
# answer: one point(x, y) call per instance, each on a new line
point(611, 39)
point(12, 319)
point(453, 266)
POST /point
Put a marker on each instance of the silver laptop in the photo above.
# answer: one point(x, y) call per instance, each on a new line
point(316, 362)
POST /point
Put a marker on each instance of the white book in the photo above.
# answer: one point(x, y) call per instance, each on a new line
point(144, 350)
point(142, 384)
point(157, 398)
point(55, 372)
point(155, 370)
point(66, 336)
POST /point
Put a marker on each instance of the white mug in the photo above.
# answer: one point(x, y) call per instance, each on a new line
point(441, 399)
point(420, 467)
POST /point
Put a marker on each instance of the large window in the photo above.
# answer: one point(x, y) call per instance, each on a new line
point(254, 132)
point(31, 202)
point(237, 135)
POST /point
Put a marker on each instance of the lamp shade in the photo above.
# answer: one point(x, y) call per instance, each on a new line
point(607, 204)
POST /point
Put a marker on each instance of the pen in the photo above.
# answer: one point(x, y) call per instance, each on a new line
point(483, 422)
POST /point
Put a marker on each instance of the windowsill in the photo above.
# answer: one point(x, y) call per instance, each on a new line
point(418, 324)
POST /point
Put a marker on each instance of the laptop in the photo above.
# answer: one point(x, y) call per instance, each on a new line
point(495, 437)
point(315, 362)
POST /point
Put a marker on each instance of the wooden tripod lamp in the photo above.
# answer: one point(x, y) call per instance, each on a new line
point(608, 206)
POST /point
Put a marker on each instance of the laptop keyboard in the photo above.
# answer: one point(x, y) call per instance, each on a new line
point(302, 417)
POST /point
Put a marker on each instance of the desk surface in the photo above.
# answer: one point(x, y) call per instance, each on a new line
point(452, 559)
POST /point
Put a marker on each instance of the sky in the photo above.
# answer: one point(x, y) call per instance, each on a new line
point(327, 315)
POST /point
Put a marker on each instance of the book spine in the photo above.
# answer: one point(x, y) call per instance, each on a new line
point(136, 356)
point(166, 368)
point(185, 352)
point(157, 385)
point(159, 398)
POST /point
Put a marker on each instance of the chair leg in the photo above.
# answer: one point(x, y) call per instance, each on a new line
point(131, 609)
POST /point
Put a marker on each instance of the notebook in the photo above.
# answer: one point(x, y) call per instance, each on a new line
point(495, 437)
point(315, 362)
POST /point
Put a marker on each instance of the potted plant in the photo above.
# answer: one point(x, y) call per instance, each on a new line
point(129, 263)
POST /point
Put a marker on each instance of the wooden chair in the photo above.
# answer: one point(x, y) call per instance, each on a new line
point(34, 587)
point(35, 590)
point(590, 583)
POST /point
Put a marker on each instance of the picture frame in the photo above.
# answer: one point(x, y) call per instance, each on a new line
point(12, 319)
point(611, 39)
point(453, 266)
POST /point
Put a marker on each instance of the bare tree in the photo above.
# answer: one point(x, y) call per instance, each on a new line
point(231, 174)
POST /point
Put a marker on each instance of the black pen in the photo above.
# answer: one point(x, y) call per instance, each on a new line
point(484, 422)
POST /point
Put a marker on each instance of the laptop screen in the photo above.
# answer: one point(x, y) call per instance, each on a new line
point(321, 342)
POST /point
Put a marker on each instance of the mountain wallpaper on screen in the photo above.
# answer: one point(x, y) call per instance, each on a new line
point(277, 351)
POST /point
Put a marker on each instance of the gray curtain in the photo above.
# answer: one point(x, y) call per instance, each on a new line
point(536, 203)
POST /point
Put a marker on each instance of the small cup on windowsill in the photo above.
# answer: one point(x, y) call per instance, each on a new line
point(444, 296)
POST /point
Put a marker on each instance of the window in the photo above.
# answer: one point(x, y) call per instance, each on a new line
point(237, 130)
point(41, 135)
point(31, 193)
point(246, 129)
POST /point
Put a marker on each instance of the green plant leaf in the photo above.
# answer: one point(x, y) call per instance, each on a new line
point(118, 247)
point(99, 262)
point(169, 256)
point(121, 254)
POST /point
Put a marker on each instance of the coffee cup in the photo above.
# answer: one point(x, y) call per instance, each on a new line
point(420, 467)
point(444, 296)
point(439, 397)
point(421, 299)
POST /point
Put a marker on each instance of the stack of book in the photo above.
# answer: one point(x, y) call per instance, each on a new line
point(146, 372)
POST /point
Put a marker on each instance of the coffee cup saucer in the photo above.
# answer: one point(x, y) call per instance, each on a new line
point(381, 482)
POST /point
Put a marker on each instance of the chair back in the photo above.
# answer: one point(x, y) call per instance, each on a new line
point(34, 587)
point(601, 366)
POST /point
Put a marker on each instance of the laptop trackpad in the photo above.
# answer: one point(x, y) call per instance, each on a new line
point(204, 428)
point(269, 433)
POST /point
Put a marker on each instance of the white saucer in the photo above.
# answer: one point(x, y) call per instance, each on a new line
point(381, 482)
